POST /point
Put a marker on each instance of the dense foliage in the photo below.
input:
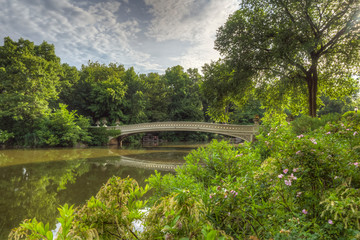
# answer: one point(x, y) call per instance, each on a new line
point(288, 53)
point(45, 103)
point(284, 186)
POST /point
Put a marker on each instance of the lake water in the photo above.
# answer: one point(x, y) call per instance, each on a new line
point(34, 182)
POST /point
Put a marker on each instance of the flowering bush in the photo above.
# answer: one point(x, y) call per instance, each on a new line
point(316, 175)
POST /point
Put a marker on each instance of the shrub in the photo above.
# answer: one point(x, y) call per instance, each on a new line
point(306, 123)
point(62, 128)
point(5, 136)
point(109, 215)
point(100, 136)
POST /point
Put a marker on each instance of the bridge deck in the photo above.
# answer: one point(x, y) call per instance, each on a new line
point(246, 132)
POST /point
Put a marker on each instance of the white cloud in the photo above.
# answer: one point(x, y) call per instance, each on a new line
point(193, 21)
point(78, 33)
point(177, 32)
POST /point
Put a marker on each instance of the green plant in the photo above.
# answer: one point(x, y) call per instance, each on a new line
point(112, 212)
point(62, 128)
point(175, 216)
point(65, 219)
point(5, 136)
point(100, 135)
point(342, 204)
point(305, 124)
point(32, 229)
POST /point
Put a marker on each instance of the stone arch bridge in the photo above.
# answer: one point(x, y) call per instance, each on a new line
point(245, 132)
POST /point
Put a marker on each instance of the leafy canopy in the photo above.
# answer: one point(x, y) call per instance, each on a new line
point(289, 52)
point(28, 79)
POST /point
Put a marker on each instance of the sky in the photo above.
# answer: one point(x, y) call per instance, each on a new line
point(149, 35)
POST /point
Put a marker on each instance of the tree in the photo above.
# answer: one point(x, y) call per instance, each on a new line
point(69, 77)
point(135, 101)
point(219, 90)
point(28, 81)
point(291, 52)
point(185, 100)
point(100, 91)
point(158, 98)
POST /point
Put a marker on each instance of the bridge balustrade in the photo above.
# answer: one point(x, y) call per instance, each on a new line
point(246, 132)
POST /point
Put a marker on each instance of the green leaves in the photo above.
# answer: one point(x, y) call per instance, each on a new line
point(66, 219)
point(184, 98)
point(290, 52)
point(28, 78)
point(5, 136)
point(100, 91)
point(62, 128)
point(37, 229)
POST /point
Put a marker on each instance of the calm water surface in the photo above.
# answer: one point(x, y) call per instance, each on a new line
point(34, 182)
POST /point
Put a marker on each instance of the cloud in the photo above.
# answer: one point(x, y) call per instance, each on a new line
point(192, 21)
point(80, 31)
point(150, 35)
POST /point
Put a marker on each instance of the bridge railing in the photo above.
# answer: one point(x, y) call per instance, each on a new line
point(246, 132)
point(186, 125)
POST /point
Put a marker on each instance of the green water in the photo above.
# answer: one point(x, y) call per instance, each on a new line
point(34, 182)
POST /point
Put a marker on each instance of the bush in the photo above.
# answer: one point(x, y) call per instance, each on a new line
point(109, 215)
point(100, 136)
point(5, 136)
point(313, 175)
point(352, 116)
point(60, 128)
point(306, 123)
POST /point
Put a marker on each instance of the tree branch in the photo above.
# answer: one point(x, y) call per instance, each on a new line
point(287, 11)
point(310, 21)
point(325, 48)
point(334, 18)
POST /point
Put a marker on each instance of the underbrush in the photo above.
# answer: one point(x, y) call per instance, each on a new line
point(284, 186)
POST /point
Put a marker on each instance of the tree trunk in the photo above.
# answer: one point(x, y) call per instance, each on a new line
point(312, 81)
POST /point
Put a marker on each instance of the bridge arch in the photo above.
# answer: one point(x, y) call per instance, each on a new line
point(245, 132)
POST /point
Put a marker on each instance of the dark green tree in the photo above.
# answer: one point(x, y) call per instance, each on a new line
point(135, 101)
point(185, 99)
point(100, 91)
point(158, 98)
point(291, 52)
point(69, 77)
point(219, 90)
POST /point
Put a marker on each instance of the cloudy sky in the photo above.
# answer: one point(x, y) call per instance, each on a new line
point(150, 35)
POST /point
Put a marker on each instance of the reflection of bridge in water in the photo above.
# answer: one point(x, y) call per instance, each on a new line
point(245, 132)
point(125, 161)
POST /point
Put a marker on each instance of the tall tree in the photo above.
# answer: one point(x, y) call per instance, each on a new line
point(292, 51)
point(158, 98)
point(135, 101)
point(185, 99)
point(69, 77)
point(29, 75)
point(219, 89)
point(100, 91)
